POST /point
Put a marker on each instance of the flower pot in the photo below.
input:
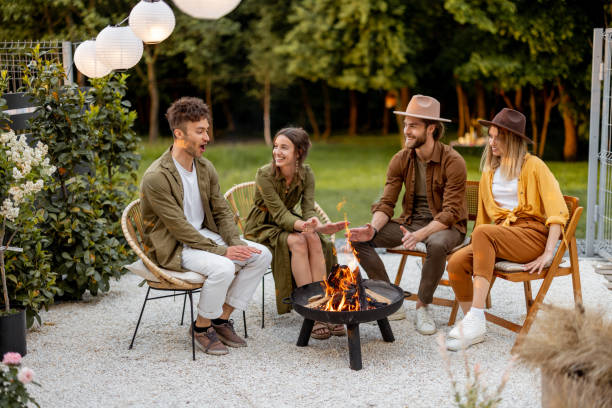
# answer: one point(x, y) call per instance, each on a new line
point(13, 333)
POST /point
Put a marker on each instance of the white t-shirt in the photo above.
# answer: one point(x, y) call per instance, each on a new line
point(192, 201)
point(505, 192)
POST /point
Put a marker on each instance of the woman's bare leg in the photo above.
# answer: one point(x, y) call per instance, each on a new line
point(481, 290)
point(315, 256)
point(299, 259)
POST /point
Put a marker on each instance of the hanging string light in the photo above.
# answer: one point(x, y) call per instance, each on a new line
point(206, 9)
point(118, 47)
point(152, 21)
point(86, 61)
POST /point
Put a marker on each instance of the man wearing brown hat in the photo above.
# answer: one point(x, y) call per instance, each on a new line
point(434, 210)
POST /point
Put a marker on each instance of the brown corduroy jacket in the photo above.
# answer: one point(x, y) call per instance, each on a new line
point(166, 228)
point(445, 178)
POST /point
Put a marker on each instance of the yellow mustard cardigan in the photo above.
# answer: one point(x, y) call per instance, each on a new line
point(539, 196)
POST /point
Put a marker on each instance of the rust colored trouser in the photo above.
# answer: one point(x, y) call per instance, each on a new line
point(438, 244)
point(521, 242)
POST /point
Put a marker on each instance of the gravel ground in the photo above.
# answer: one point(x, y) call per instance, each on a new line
point(80, 355)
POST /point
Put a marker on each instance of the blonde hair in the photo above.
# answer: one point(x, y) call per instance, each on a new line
point(512, 162)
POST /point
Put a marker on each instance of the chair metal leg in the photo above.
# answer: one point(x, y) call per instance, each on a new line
point(140, 317)
point(263, 296)
point(246, 336)
point(192, 329)
point(183, 314)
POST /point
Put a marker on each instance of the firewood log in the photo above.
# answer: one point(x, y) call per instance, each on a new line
point(377, 297)
point(317, 303)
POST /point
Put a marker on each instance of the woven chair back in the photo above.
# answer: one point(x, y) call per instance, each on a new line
point(131, 224)
point(240, 198)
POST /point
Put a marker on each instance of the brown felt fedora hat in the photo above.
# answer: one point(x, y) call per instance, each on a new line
point(423, 107)
point(510, 120)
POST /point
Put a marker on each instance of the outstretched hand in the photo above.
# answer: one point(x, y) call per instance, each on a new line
point(310, 224)
point(240, 252)
point(361, 234)
point(332, 227)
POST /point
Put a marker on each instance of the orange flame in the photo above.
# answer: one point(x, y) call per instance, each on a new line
point(344, 280)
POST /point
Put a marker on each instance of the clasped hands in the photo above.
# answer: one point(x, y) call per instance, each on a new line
point(313, 224)
point(367, 232)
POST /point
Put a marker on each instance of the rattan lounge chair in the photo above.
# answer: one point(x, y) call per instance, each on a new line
point(158, 278)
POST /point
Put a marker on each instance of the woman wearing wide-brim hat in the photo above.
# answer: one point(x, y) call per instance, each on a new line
point(521, 213)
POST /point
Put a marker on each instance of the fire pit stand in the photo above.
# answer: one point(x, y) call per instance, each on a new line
point(299, 299)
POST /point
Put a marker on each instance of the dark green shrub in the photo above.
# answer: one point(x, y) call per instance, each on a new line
point(90, 139)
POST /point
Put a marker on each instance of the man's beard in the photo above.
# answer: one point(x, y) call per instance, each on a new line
point(417, 142)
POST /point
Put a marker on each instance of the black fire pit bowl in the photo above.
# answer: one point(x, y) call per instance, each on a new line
point(299, 299)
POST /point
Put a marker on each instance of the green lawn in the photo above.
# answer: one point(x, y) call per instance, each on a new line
point(351, 169)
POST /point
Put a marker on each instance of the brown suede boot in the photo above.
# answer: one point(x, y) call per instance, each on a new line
point(208, 342)
point(228, 335)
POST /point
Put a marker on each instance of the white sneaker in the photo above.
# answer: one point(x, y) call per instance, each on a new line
point(400, 314)
point(424, 323)
point(469, 331)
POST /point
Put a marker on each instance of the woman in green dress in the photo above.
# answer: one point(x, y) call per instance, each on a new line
point(301, 254)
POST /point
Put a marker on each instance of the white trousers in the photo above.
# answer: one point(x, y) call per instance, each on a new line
point(227, 281)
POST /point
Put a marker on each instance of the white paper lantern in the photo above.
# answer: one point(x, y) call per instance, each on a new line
point(152, 21)
point(118, 47)
point(208, 9)
point(86, 61)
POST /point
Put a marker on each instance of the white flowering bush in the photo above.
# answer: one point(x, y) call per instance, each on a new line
point(23, 170)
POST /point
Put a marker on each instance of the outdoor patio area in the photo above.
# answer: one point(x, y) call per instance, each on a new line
point(81, 359)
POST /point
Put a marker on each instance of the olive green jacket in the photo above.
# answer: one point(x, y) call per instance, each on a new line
point(166, 228)
point(272, 218)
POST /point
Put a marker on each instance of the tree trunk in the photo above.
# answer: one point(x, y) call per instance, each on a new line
point(309, 112)
point(570, 145)
point(534, 120)
point(518, 99)
point(549, 102)
point(507, 100)
point(150, 58)
point(481, 107)
point(327, 111)
point(460, 113)
point(266, 109)
point(466, 113)
point(352, 131)
point(402, 103)
point(231, 126)
point(211, 132)
point(385, 121)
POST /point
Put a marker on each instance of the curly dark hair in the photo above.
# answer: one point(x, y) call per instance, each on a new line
point(186, 109)
point(299, 138)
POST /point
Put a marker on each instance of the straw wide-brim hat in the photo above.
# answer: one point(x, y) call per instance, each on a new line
point(423, 107)
point(510, 120)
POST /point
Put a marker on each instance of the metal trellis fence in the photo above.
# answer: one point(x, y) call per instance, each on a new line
point(13, 57)
point(599, 201)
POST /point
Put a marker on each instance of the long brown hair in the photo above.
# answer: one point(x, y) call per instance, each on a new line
point(511, 163)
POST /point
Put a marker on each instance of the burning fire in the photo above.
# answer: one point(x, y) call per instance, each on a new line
point(343, 287)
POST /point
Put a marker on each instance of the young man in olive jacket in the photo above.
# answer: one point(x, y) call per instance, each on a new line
point(188, 226)
point(434, 210)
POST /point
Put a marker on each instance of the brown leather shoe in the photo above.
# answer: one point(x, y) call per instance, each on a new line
point(208, 342)
point(228, 335)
